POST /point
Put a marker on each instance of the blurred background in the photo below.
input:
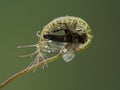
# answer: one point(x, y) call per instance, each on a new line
point(96, 68)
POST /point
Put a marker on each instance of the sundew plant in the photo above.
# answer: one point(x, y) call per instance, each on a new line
point(64, 36)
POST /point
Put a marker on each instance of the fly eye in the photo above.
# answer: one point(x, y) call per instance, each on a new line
point(82, 38)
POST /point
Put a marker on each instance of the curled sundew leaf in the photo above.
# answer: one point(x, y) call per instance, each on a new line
point(63, 36)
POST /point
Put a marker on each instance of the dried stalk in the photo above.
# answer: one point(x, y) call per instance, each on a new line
point(22, 72)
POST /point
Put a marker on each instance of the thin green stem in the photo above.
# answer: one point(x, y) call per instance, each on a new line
point(22, 72)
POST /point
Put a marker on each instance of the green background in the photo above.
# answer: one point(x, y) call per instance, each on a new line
point(96, 68)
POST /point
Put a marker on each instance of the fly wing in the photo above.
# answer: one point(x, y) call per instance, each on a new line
point(55, 46)
point(69, 54)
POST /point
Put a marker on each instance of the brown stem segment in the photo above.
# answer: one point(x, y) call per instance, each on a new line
point(22, 72)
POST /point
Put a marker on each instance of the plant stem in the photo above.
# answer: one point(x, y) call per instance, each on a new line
point(22, 72)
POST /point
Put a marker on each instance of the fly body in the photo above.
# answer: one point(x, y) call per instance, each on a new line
point(66, 35)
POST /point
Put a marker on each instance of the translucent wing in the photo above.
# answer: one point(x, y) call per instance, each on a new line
point(55, 46)
point(52, 46)
point(69, 54)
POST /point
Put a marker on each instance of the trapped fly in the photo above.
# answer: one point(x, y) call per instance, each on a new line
point(66, 35)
